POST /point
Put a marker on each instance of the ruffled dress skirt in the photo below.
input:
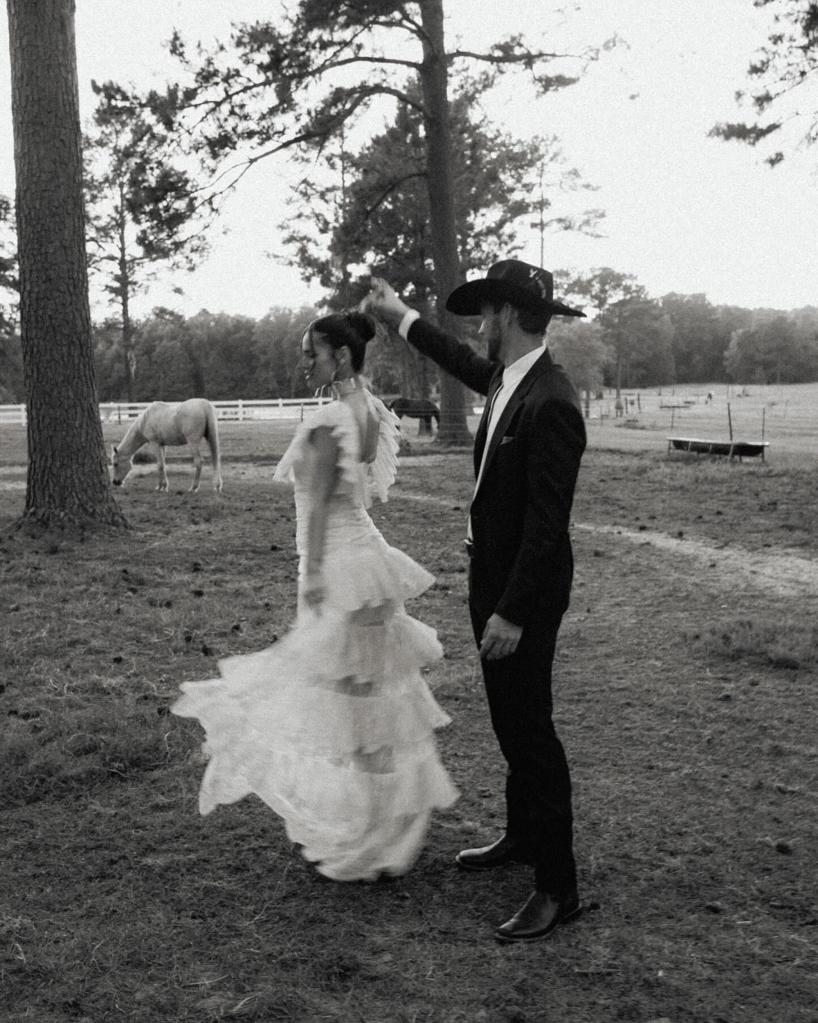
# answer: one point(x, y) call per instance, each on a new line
point(333, 726)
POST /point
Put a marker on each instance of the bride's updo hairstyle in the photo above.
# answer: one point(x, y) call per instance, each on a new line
point(351, 328)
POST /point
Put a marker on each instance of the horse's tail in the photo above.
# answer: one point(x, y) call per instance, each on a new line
point(212, 437)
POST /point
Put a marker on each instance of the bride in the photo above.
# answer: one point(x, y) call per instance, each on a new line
point(333, 726)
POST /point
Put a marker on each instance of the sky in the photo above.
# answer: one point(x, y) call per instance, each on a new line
point(685, 212)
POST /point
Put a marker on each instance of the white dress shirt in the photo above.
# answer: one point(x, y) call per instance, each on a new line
point(512, 375)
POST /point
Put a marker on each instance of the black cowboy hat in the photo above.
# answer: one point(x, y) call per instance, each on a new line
point(520, 284)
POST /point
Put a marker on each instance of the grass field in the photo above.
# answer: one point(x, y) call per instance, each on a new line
point(786, 416)
point(686, 695)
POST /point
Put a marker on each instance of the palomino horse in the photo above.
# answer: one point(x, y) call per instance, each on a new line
point(161, 424)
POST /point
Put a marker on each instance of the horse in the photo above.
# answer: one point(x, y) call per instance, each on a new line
point(161, 424)
point(416, 408)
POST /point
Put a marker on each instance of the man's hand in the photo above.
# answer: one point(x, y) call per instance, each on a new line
point(500, 638)
point(383, 302)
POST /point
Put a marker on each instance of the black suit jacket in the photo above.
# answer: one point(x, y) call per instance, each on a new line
point(522, 563)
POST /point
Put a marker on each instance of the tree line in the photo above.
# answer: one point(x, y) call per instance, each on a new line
point(635, 342)
point(630, 342)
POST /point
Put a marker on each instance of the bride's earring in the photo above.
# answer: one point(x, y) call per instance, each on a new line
point(339, 365)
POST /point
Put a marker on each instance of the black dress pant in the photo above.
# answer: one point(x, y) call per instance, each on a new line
point(538, 782)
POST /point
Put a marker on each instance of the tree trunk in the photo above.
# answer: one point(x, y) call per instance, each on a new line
point(421, 364)
point(68, 481)
point(124, 290)
point(433, 79)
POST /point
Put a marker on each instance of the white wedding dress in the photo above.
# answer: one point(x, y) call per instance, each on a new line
point(333, 726)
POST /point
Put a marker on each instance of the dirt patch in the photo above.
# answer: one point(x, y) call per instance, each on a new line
point(12, 477)
point(779, 573)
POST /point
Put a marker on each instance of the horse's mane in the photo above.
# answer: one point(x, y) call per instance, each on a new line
point(136, 427)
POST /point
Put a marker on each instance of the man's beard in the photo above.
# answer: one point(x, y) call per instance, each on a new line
point(494, 344)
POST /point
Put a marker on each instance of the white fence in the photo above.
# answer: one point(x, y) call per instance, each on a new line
point(233, 411)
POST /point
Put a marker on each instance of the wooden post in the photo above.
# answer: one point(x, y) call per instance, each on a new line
point(763, 419)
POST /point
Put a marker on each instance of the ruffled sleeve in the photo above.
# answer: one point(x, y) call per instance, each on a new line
point(382, 471)
point(296, 461)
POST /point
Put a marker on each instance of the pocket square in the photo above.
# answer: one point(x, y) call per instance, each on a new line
point(506, 440)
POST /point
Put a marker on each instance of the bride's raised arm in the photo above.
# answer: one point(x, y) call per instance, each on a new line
point(323, 481)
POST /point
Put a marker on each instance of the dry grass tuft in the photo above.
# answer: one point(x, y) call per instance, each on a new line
point(781, 644)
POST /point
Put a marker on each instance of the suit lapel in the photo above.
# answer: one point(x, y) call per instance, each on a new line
point(542, 365)
point(483, 425)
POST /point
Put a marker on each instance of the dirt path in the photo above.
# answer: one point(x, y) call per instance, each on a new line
point(782, 574)
point(778, 573)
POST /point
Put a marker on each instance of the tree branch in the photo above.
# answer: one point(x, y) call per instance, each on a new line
point(391, 188)
point(364, 59)
point(320, 132)
point(509, 58)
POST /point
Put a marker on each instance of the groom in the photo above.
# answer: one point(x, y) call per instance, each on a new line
point(527, 453)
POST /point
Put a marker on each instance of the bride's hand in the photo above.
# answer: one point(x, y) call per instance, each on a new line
point(383, 301)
